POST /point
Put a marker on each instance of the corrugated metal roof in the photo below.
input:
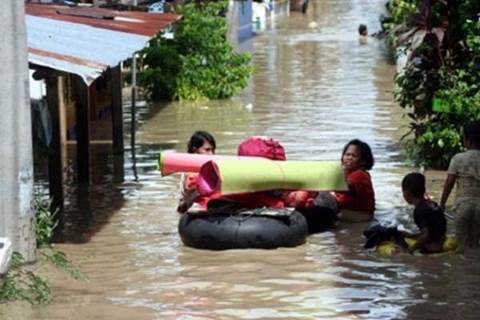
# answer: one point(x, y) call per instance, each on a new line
point(86, 41)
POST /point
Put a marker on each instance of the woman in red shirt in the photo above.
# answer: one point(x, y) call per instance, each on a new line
point(357, 204)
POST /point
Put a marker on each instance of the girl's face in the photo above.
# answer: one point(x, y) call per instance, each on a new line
point(351, 159)
point(206, 148)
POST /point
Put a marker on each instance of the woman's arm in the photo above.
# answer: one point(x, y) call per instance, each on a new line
point(447, 189)
point(360, 196)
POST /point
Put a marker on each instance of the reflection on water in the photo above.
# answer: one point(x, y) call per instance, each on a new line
point(314, 89)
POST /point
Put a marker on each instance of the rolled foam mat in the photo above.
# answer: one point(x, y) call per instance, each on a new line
point(172, 162)
point(236, 176)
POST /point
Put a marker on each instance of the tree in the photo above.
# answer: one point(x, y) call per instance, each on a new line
point(198, 62)
point(439, 84)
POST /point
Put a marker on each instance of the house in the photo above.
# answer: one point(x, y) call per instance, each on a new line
point(76, 52)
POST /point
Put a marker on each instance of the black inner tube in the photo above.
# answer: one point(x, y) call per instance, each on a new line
point(250, 229)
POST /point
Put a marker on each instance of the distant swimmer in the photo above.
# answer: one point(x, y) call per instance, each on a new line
point(362, 33)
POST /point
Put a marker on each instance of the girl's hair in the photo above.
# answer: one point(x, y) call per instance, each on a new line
point(366, 156)
point(198, 139)
point(471, 130)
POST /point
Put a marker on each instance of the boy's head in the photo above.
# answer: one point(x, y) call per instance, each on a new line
point(413, 186)
point(471, 132)
point(362, 30)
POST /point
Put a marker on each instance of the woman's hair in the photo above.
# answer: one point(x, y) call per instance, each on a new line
point(366, 156)
point(198, 139)
point(415, 184)
point(471, 130)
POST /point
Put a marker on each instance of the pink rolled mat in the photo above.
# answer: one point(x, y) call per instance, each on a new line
point(171, 162)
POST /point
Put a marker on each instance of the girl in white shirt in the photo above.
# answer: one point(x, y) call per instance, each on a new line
point(201, 142)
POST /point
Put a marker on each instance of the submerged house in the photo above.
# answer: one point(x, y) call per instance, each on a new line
point(76, 52)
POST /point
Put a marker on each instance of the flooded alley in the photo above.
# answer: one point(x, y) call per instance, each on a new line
point(315, 87)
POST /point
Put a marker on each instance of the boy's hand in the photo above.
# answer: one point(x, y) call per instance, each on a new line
point(182, 208)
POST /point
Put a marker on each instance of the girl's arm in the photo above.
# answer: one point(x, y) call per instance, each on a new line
point(189, 193)
point(447, 188)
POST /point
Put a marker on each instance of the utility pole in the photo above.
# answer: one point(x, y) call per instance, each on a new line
point(133, 110)
point(16, 166)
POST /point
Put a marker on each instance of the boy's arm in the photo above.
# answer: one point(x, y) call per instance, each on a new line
point(409, 234)
point(447, 188)
point(421, 240)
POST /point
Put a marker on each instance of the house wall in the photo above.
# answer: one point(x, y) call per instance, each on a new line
point(100, 108)
point(239, 19)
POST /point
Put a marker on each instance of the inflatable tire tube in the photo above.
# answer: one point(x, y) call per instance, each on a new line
point(391, 248)
point(221, 231)
point(323, 215)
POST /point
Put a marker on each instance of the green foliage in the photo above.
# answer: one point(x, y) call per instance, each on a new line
point(399, 10)
point(45, 222)
point(461, 96)
point(22, 282)
point(198, 63)
point(60, 261)
point(162, 64)
point(435, 146)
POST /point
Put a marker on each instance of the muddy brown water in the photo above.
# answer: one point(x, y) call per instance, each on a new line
point(314, 89)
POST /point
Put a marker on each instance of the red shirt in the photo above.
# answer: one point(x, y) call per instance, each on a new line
point(360, 196)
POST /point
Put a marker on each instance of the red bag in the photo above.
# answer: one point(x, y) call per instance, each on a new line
point(262, 147)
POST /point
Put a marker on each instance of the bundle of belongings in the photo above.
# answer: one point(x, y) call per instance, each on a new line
point(376, 234)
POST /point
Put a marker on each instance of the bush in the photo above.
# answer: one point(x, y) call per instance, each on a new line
point(440, 83)
point(435, 146)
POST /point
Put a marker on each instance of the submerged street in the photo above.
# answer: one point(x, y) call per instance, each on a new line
point(315, 88)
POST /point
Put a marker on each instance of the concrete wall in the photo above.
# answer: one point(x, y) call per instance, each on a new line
point(239, 18)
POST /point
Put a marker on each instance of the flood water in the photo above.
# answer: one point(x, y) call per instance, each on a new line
point(314, 89)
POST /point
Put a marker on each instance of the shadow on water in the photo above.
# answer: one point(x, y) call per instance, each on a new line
point(89, 207)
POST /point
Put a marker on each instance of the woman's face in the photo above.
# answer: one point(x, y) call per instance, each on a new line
point(351, 159)
point(206, 148)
